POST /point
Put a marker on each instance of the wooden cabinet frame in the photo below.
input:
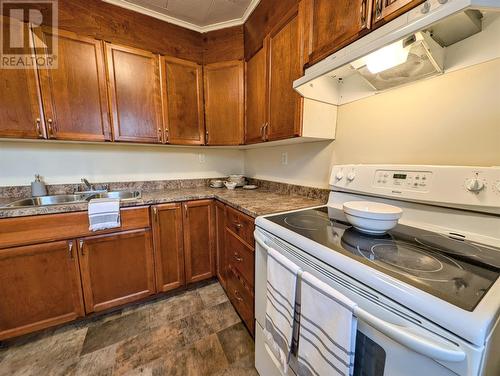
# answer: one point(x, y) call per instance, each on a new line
point(210, 111)
point(54, 130)
point(168, 134)
point(66, 249)
point(177, 244)
point(155, 63)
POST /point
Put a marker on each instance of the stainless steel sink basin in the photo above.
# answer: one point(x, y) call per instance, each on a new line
point(71, 199)
point(122, 195)
point(46, 200)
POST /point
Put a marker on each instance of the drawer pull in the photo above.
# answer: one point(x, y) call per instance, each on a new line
point(238, 225)
point(238, 296)
point(237, 258)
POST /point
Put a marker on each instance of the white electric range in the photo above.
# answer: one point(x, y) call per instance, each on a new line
point(428, 291)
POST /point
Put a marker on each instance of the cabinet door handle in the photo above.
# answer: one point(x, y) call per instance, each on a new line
point(155, 212)
point(160, 135)
point(237, 258)
point(38, 128)
point(378, 9)
point(238, 296)
point(70, 249)
point(363, 13)
point(167, 135)
point(206, 137)
point(81, 248)
point(266, 135)
point(50, 126)
point(262, 132)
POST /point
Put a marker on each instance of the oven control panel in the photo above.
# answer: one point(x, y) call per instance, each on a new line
point(467, 187)
point(413, 180)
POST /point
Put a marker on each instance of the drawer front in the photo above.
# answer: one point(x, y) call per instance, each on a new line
point(240, 256)
point(241, 296)
point(52, 227)
point(241, 224)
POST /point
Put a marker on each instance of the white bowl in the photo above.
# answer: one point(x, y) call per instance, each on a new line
point(372, 217)
point(230, 184)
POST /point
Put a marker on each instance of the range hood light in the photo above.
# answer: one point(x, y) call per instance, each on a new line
point(387, 57)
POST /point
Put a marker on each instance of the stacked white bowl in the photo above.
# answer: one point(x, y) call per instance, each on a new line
point(372, 217)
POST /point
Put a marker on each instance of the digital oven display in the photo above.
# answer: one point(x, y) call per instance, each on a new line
point(399, 176)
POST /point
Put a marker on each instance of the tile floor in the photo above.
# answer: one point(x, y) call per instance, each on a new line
point(194, 333)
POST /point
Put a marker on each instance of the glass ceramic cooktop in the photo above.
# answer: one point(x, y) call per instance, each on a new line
point(457, 271)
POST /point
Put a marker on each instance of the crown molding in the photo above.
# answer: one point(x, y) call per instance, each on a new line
point(187, 25)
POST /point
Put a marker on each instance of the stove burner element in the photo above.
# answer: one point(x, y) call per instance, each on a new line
point(406, 257)
point(307, 222)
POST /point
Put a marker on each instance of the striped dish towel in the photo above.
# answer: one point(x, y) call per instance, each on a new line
point(328, 328)
point(280, 306)
point(104, 213)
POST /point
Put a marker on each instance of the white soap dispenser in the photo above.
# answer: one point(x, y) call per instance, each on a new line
point(38, 187)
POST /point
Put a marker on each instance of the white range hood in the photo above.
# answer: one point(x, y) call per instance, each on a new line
point(439, 36)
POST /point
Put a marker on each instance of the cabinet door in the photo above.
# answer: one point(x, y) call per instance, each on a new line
point(21, 108)
point(335, 24)
point(135, 94)
point(74, 94)
point(285, 66)
point(182, 86)
point(386, 10)
point(224, 103)
point(116, 268)
point(256, 97)
point(220, 218)
point(199, 240)
point(39, 287)
point(168, 244)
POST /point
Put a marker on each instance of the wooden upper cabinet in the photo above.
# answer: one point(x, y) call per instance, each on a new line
point(20, 102)
point(285, 65)
point(224, 102)
point(256, 97)
point(199, 239)
point(39, 287)
point(182, 85)
point(168, 246)
point(74, 94)
point(116, 268)
point(135, 94)
point(335, 24)
point(386, 10)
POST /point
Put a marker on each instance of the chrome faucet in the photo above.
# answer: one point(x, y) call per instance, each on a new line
point(89, 186)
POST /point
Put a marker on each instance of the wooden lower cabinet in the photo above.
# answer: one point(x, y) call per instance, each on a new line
point(199, 239)
point(236, 262)
point(39, 287)
point(116, 268)
point(169, 246)
point(220, 218)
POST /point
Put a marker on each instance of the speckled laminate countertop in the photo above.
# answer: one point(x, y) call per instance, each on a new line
point(252, 202)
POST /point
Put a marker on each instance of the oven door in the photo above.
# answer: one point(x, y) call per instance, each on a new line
point(390, 340)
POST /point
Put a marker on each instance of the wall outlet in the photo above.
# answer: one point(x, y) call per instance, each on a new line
point(284, 158)
point(201, 157)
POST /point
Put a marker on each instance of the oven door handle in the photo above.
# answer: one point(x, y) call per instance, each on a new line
point(435, 349)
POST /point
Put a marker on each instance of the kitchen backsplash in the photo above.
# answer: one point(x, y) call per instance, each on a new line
point(147, 186)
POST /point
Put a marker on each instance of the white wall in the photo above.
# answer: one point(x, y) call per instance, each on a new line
point(452, 119)
point(61, 162)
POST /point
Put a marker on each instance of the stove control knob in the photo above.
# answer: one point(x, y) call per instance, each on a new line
point(474, 185)
point(339, 176)
point(351, 175)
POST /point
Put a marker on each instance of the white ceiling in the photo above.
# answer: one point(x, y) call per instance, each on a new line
point(198, 15)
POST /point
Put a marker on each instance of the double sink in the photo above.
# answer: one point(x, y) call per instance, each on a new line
point(75, 198)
